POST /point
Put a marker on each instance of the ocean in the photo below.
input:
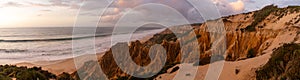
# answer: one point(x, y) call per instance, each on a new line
point(55, 43)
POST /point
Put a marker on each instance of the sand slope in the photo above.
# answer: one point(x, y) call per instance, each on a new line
point(246, 68)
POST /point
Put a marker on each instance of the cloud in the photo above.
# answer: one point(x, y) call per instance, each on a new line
point(39, 15)
point(89, 5)
point(12, 4)
point(71, 4)
point(51, 3)
point(119, 7)
point(249, 1)
point(59, 2)
point(39, 4)
point(238, 5)
point(182, 6)
point(228, 8)
point(46, 10)
point(111, 18)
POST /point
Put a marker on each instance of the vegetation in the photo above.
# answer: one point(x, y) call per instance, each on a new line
point(23, 73)
point(7, 72)
point(2, 77)
point(283, 65)
point(65, 76)
point(294, 8)
point(167, 37)
point(196, 24)
point(260, 15)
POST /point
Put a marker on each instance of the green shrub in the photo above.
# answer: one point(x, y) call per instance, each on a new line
point(294, 8)
point(158, 38)
point(260, 15)
point(250, 28)
point(30, 75)
point(3, 77)
point(65, 76)
point(24, 73)
point(284, 64)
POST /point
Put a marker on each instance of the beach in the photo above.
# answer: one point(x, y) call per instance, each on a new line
point(67, 65)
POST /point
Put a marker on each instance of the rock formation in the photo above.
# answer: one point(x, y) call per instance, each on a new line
point(247, 35)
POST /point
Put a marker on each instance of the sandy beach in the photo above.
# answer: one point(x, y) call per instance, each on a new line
point(59, 66)
point(67, 65)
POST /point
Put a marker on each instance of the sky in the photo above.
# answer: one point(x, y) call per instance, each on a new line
point(85, 13)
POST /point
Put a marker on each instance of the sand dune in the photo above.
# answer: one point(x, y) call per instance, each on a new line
point(246, 68)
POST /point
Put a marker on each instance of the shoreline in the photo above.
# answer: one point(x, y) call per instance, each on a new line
point(67, 65)
point(59, 66)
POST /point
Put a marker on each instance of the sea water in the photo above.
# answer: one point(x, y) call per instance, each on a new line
point(55, 43)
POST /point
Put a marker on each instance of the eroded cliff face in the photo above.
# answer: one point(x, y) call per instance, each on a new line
point(140, 55)
point(243, 45)
point(239, 46)
point(241, 42)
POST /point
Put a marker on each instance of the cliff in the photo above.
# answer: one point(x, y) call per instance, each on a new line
point(248, 35)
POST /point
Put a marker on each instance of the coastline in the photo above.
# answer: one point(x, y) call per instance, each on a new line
point(67, 65)
point(58, 66)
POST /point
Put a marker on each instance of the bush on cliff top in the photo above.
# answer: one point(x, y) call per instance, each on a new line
point(260, 15)
point(283, 65)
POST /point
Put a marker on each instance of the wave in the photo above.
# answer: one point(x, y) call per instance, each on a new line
point(63, 38)
point(11, 50)
point(55, 39)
